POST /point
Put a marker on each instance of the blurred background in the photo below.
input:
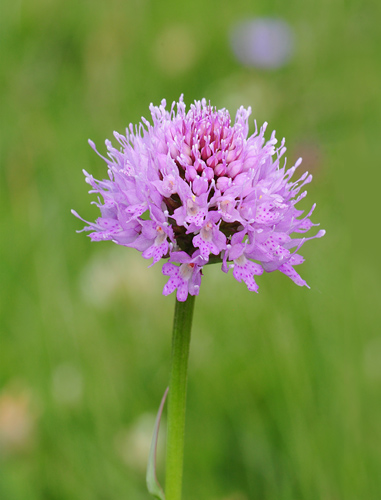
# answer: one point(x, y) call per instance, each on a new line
point(284, 398)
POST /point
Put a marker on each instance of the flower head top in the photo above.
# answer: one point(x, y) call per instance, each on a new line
point(194, 188)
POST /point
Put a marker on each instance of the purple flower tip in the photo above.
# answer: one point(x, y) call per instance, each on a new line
point(193, 188)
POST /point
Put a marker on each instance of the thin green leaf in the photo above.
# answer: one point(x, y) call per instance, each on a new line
point(153, 485)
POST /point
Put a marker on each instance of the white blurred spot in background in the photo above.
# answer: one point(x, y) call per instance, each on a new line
point(17, 420)
point(263, 42)
point(67, 385)
point(119, 272)
point(133, 444)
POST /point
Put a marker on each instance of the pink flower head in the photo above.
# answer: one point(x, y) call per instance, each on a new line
point(193, 188)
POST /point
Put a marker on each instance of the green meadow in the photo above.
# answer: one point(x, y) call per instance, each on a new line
point(284, 393)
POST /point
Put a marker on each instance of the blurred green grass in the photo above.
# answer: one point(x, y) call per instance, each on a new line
point(284, 386)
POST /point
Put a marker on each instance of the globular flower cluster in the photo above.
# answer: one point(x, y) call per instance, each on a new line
point(193, 188)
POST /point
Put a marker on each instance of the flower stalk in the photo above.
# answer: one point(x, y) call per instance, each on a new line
point(182, 325)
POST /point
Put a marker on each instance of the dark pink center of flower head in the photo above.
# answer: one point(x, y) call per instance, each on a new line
point(205, 146)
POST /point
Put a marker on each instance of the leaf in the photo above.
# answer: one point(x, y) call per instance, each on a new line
point(153, 485)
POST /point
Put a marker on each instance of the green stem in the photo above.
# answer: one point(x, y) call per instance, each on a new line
point(177, 397)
